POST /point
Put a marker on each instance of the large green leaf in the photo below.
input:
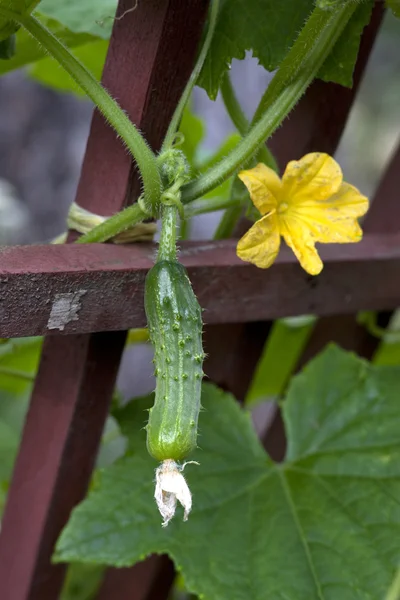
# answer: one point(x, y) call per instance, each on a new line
point(18, 363)
point(324, 525)
point(49, 72)
point(279, 358)
point(82, 582)
point(395, 6)
point(21, 7)
point(19, 357)
point(193, 130)
point(7, 47)
point(28, 50)
point(83, 25)
point(82, 16)
point(340, 63)
point(268, 28)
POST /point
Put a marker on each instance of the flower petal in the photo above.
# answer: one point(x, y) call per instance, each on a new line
point(171, 486)
point(264, 186)
point(260, 245)
point(334, 220)
point(298, 237)
point(349, 201)
point(316, 176)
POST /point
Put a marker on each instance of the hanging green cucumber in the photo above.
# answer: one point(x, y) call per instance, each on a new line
point(175, 327)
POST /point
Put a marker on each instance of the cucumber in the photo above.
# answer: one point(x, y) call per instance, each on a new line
point(175, 328)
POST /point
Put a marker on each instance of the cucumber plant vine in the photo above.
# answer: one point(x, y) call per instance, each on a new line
point(171, 192)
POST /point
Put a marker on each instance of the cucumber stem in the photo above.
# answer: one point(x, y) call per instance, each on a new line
point(168, 236)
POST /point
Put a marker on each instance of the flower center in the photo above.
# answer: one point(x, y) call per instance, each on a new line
point(282, 207)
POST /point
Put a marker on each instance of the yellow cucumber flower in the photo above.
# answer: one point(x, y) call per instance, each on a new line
point(310, 204)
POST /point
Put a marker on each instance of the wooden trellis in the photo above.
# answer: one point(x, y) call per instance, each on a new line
point(151, 54)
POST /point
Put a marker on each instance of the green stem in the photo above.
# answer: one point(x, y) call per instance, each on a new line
point(133, 214)
point(177, 116)
point(232, 105)
point(295, 74)
point(168, 237)
point(114, 225)
point(136, 144)
point(231, 216)
point(227, 224)
point(241, 123)
point(184, 228)
point(207, 205)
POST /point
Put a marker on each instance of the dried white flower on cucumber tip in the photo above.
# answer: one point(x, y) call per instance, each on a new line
point(171, 486)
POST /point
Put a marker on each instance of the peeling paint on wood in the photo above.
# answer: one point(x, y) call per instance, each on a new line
point(65, 308)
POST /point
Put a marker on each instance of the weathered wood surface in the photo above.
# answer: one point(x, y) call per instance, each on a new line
point(77, 289)
point(146, 69)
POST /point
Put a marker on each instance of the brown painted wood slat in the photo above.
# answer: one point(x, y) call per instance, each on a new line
point(316, 124)
point(81, 289)
point(146, 70)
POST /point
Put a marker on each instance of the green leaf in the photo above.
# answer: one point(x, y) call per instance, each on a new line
point(339, 65)
point(83, 25)
point(324, 525)
point(82, 582)
point(21, 7)
point(394, 591)
point(113, 443)
point(223, 150)
point(280, 356)
point(29, 51)
point(48, 72)
point(7, 47)
point(193, 131)
point(8, 448)
point(82, 16)
point(395, 6)
point(229, 143)
point(269, 28)
point(388, 353)
point(266, 27)
point(19, 356)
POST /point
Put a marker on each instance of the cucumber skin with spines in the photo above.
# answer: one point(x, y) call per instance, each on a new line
point(175, 328)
